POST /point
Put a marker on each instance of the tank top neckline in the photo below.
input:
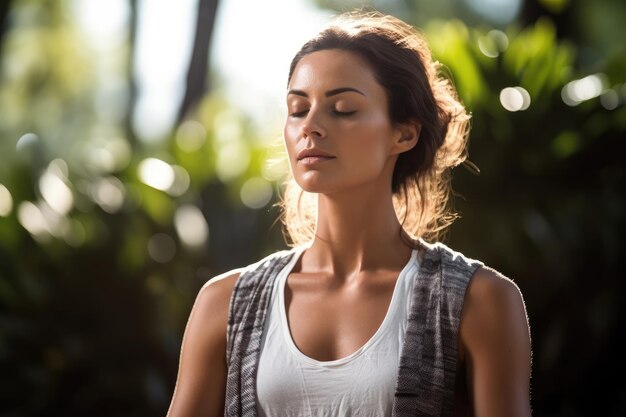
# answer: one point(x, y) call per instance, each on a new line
point(282, 280)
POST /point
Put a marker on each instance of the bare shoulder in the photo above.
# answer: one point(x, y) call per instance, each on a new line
point(490, 286)
point(214, 296)
point(222, 283)
point(203, 353)
point(492, 300)
point(208, 319)
point(495, 340)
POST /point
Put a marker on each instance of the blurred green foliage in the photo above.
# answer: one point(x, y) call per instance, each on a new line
point(548, 206)
point(94, 293)
point(93, 299)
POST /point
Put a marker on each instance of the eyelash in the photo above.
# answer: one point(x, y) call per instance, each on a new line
point(335, 112)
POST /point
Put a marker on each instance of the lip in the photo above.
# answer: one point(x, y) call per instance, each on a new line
point(314, 154)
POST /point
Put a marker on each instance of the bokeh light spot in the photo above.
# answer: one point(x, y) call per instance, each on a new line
point(191, 226)
point(6, 201)
point(181, 182)
point(32, 219)
point(227, 127)
point(113, 155)
point(488, 47)
point(500, 39)
point(26, 141)
point(256, 193)
point(577, 91)
point(156, 173)
point(515, 99)
point(190, 136)
point(494, 43)
point(161, 247)
point(233, 160)
point(59, 168)
point(609, 100)
point(53, 188)
point(109, 193)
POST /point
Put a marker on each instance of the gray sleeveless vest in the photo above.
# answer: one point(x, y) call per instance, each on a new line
point(426, 375)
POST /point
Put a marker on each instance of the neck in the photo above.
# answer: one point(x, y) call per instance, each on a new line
point(357, 231)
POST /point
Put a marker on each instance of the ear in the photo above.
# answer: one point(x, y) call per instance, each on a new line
point(406, 136)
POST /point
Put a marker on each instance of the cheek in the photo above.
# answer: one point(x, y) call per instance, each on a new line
point(370, 141)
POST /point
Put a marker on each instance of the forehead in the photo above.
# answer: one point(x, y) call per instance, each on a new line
point(332, 68)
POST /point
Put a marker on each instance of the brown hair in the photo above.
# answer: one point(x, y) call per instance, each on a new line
point(417, 91)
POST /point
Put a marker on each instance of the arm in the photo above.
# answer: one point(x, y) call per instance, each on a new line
point(495, 339)
point(201, 383)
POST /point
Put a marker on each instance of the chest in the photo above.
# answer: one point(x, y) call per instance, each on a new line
point(328, 322)
point(331, 351)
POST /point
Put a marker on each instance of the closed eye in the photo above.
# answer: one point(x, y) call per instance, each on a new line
point(343, 113)
point(335, 112)
point(299, 113)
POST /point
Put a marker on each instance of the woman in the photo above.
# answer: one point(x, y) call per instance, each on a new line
point(362, 317)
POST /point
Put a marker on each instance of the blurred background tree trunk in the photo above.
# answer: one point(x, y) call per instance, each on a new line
point(131, 135)
point(197, 75)
point(5, 6)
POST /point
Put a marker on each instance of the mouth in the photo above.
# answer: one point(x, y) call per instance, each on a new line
point(314, 159)
point(313, 154)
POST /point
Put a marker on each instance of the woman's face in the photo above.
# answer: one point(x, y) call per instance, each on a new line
point(338, 109)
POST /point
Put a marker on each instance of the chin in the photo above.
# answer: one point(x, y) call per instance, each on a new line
point(316, 185)
point(323, 187)
point(314, 188)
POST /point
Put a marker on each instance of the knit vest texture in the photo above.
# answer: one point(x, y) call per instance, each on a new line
point(426, 375)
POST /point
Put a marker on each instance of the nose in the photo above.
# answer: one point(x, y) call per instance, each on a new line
point(312, 126)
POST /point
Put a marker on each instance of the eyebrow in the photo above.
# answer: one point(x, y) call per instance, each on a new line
point(329, 93)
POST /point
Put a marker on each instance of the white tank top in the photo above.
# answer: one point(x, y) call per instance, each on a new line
point(291, 384)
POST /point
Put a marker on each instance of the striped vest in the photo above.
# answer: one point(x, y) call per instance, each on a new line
point(426, 375)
